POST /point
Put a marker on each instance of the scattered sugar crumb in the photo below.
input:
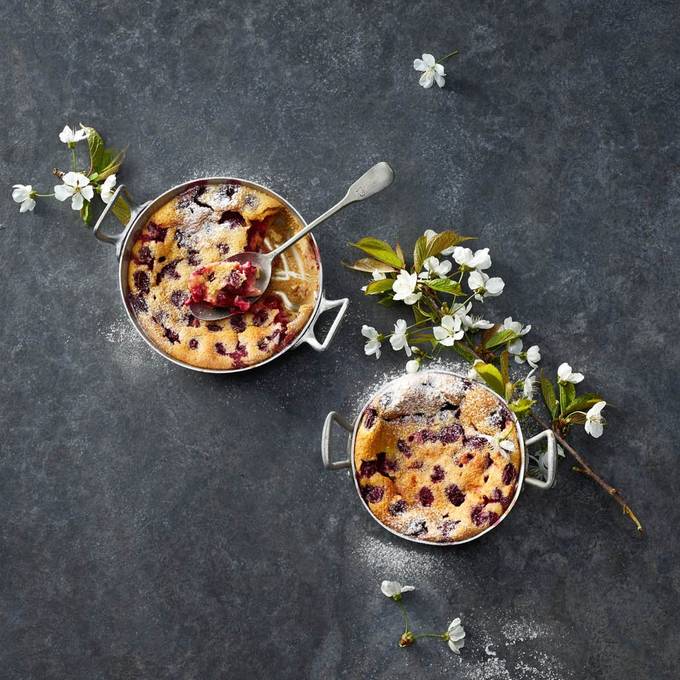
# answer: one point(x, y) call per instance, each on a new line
point(522, 631)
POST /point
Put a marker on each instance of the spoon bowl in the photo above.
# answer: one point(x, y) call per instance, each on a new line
point(371, 182)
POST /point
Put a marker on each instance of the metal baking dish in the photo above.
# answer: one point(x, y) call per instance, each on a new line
point(124, 241)
point(524, 477)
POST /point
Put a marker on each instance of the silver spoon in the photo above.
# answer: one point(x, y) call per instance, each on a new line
point(376, 179)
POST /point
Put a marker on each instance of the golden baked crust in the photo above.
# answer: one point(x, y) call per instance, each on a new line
point(437, 457)
point(206, 224)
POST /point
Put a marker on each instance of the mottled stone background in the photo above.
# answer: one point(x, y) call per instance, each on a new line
point(157, 523)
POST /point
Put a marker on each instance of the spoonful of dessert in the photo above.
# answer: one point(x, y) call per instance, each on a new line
point(221, 289)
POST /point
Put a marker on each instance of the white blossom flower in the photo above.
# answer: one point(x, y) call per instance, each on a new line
point(394, 589)
point(413, 365)
point(404, 287)
point(434, 268)
point(472, 374)
point(432, 71)
point(515, 348)
point(483, 286)
point(69, 136)
point(399, 338)
point(377, 276)
point(108, 188)
point(507, 446)
point(23, 194)
point(449, 331)
point(466, 258)
point(565, 375)
point(373, 344)
point(528, 387)
point(471, 323)
point(456, 636)
point(594, 420)
point(533, 356)
point(515, 326)
point(76, 186)
point(430, 234)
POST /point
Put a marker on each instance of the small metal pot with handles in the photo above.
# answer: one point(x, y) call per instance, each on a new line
point(124, 240)
point(524, 478)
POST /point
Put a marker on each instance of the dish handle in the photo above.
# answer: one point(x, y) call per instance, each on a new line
point(115, 239)
point(310, 336)
point(329, 464)
point(550, 461)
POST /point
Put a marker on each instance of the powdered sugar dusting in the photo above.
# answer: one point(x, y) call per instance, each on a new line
point(129, 349)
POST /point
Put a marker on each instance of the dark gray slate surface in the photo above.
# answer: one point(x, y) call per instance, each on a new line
point(157, 523)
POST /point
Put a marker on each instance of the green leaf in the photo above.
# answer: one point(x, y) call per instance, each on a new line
point(521, 407)
point(567, 395)
point(583, 402)
point(505, 366)
point(121, 210)
point(370, 265)
point(577, 418)
point(549, 398)
point(501, 338)
point(380, 250)
point(491, 376)
point(86, 213)
point(379, 286)
point(400, 253)
point(419, 253)
point(95, 145)
point(464, 352)
point(113, 165)
point(444, 286)
point(446, 239)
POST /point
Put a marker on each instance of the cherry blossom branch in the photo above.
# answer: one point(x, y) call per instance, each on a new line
point(585, 469)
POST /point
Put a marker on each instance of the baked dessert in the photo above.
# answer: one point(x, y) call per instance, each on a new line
point(437, 457)
point(188, 241)
point(225, 284)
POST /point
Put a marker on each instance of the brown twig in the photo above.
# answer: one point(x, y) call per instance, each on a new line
point(585, 469)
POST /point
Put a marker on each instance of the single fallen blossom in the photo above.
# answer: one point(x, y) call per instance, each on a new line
point(432, 71)
point(394, 589)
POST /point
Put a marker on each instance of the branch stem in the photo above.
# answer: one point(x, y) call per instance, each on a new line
point(586, 470)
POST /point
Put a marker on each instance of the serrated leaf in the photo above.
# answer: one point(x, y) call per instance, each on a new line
point(549, 398)
point(583, 402)
point(380, 286)
point(501, 338)
point(464, 352)
point(444, 286)
point(370, 265)
point(491, 376)
point(419, 253)
point(380, 250)
point(447, 239)
point(521, 407)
